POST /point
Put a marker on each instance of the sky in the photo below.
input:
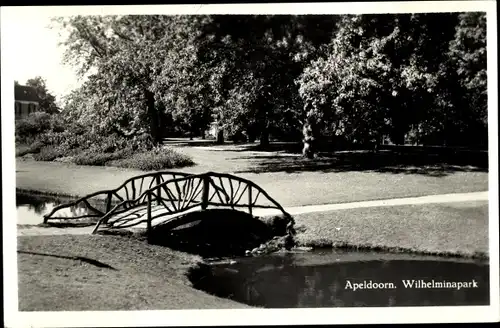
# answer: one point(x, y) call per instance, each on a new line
point(35, 53)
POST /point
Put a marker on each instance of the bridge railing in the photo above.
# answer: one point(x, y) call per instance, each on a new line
point(179, 195)
point(97, 204)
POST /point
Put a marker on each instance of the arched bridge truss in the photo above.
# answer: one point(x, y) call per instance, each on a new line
point(161, 197)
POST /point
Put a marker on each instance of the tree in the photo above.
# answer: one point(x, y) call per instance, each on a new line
point(351, 78)
point(255, 60)
point(468, 61)
point(378, 76)
point(137, 60)
point(47, 100)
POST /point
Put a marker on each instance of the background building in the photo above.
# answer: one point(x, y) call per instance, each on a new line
point(26, 101)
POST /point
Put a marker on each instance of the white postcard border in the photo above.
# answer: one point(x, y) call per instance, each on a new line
point(13, 318)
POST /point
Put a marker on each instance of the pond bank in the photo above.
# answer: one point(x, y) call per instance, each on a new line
point(447, 229)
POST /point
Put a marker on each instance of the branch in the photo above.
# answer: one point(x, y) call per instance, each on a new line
point(122, 36)
point(91, 40)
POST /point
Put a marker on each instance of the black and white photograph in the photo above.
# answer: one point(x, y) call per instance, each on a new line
point(251, 164)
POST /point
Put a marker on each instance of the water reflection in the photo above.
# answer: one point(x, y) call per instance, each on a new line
point(32, 207)
point(287, 282)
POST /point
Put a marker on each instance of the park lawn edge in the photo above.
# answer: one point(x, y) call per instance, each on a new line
point(37, 192)
point(343, 245)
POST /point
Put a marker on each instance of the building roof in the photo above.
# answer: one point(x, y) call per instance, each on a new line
point(25, 93)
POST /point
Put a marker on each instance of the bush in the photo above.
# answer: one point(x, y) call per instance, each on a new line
point(48, 153)
point(32, 125)
point(93, 157)
point(33, 148)
point(35, 124)
point(50, 138)
point(154, 160)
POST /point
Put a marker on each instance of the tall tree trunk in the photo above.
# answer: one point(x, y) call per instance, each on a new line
point(220, 136)
point(264, 126)
point(398, 135)
point(161, 122)
point(154, 120)
point(399, 126)
point(264, 137)
point(309, 132)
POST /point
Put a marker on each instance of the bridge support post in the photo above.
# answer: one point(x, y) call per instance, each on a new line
point(204, 195)
point(158, 195)
point(148, 220)
point(250, 199)
point(108, 202)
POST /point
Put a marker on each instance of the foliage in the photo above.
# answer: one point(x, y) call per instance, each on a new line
point(90, 149)
point(352, 78)
point(156, 159)
point(93, 157)
point(24, 149)
point(128, 87)
point(35, 124)
point(254, 60)
point(390, 75)
point(48, 153)
point(47, 100)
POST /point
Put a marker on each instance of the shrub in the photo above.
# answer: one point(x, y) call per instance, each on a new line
point(22, 150)
point(58, 124)
point(32, 125)
point(48, 153)
point(32, 148)
point(154, 160)
point(93, 157)
point(51, 137)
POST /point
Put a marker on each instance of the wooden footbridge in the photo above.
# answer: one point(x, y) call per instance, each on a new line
point(161, 197)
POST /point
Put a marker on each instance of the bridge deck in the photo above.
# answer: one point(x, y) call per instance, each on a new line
point(137, 216)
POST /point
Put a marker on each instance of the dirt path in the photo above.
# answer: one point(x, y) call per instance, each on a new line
point(52, 231)
point(432, 199)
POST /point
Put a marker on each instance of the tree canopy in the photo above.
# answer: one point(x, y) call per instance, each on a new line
point(351, 78)
point(47, 100)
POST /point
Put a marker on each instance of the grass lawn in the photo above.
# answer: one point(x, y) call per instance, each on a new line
point(456, 229)
point(289, 189)
point(93, 272)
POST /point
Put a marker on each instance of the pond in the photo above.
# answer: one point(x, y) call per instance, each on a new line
point(346, 279)
point(32, 207)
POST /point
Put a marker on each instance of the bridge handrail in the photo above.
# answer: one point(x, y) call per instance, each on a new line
point(137, 199)
point(109, 193)
point(147, 197)
point(228, 176)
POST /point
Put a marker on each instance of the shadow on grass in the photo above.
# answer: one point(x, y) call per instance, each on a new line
point(216, 233)
point(69, 224)
point(186, 142)
point(75, 258)
point(424, 162)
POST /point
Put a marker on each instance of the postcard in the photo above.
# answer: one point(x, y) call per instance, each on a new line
point(251, 164)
